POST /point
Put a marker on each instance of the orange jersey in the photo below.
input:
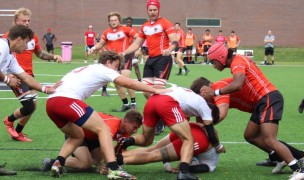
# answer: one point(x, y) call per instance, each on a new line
point(112, 122)
point(156, 33)
point(189, 40)
point(232, 41)
point(255, 85)
point(207, 39)
point(118, 39)
point(239, 99)
point(25, 59)
point(199, 49)
point(181, 42)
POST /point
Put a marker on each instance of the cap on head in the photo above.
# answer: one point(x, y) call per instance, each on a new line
point(218, 52)
point(49, 29)
point(153, 2)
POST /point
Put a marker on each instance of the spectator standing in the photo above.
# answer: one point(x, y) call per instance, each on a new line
point(207, 42)
point(269, 48)
point(89, 39)
point(189, 41)
point(49, 39)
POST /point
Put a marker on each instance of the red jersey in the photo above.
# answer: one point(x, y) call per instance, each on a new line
point(156, 33)
point(255, 85)
point(112, 122)
point(118, 39)
point(238, 99)
point(25, 59)
point(181, 42)
point(90, 38)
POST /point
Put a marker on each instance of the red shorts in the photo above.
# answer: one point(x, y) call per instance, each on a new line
point(62, 110)
point(201, 141)
point(162, 107)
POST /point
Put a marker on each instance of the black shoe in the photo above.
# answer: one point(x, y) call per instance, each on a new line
point(267, 162)
point(160, 127)
point(5, 172)
point(187, 176)
point(123, 108)
point(179, 74)
point(187, 71)
point(133, 106)
point(301, 107)
point(104, 93)
point(47, 164)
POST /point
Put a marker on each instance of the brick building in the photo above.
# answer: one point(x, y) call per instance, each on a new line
point(251, 19)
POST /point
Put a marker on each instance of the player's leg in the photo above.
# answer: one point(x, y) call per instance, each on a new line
point(81, 160)
point(86, 48)
point(137, 70)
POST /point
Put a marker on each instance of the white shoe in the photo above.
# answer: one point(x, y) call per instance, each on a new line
point(95, 61)
point(297, 175)
point(279, 167)
point(85, 61)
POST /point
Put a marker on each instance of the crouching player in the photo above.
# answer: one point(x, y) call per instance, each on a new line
point(88, 153)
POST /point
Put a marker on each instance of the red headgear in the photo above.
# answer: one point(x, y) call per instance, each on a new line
point(218, 52)
point(153, 2)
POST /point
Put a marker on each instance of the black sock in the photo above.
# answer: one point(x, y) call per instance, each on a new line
point(186, 69)
point(125, 101)
point(113, 165)
point(61, 160)
point(200, 168)
point(275, 157)
point(133, 100)
point(295, 152)
point(104, 88)
point(19, 128)
point(184, 167)
point(180, 70)
point(11, 118)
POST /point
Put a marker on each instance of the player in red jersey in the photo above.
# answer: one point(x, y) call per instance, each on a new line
point(180, 50)
point(26, 95)
point(88, 153)
point(158, 33)
point(89, 39)
point(263, 125)
point(117, 38)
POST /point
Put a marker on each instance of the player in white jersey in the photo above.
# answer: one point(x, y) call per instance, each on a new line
point(173, 108)
point(16, 42)
point(69, 112)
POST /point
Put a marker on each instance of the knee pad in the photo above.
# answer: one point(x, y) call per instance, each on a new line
point(28, 107)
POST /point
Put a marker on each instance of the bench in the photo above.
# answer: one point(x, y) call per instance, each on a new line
point(248, 53)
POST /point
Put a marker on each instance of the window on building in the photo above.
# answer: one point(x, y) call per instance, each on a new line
point(200, 22)
point(136, 21)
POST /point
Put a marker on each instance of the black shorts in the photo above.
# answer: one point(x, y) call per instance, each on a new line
point(189, 48)
point(128, 62)
point(90, 144)
point(268, 109)
point(179, 49)
point(88, 47)
point(145, 50)
point(206, 48)
point(159, 67)
point(233, 49)
point(269, 51)
point(22, 89)
point(49, 47)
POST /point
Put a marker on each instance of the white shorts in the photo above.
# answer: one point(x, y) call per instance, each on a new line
point(210, 158)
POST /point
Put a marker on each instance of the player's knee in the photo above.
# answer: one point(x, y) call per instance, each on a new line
point(28, 108)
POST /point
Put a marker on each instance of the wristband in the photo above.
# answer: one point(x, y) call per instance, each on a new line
point(220, 146)
point(217, 92)
point(44, 89)
point(6, 79)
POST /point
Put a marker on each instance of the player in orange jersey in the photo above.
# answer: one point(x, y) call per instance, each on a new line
point(189, 41)
point(207, 40)
point(263, 125)
point(26, 95)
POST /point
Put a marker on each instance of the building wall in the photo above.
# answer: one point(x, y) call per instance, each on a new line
point(250, 19)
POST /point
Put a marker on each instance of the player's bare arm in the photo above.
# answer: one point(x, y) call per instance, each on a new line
point(174, 43)
point(134, 46)
point(48, 56)
point(97, 46)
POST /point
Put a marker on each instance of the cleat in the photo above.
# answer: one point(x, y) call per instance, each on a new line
point(119, 174)
point(301, 107)
point(133, 106)
point(301, 162)
point(187, 72)
point(22, 137)
point(297, 175)
point(5, 172)
point(160, 127)
point(10, 127)
point(279, 167)
point(179, 74)
point(105, 93)
point(47, 164)
point(57, 169)
point(182, 176)
point(123, 108)
point(267, 162)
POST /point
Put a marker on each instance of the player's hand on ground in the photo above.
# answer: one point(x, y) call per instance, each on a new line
point(168, 168)
point(102, 168)
point(58, 58)
point(220, 149)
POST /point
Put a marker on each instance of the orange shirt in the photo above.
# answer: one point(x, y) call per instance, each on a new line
point(255, 85)
point(118, 39)
point(156, 33)
point(199, 49)
point(181, 42)
point(238, 99)
point(190, 39)
point(232, 41)
point(25, 60)
point(112, 122)
point(207, 39)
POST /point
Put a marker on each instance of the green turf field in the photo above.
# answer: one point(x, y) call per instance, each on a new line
point(237, 163)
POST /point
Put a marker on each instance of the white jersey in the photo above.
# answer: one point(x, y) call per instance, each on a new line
point(191, 103)
point(82, 82)
point(210, 158)
point(8, 62)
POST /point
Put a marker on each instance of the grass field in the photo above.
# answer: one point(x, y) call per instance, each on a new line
point(237, 163)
